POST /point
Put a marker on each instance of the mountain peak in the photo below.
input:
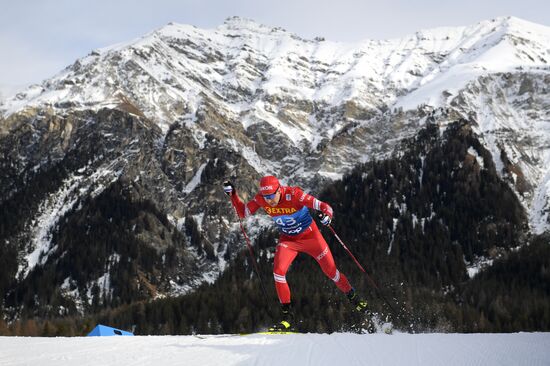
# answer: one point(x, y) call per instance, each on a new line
point(240, 24)
point(515, 21)
point(518, 26)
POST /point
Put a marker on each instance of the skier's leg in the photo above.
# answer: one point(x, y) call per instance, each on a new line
point(328, 266)
point(360, 318)
point(326, 261)
point(318, 248)
point(284, 255)
point(283, 258)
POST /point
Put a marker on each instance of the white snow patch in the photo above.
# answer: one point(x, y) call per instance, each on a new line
point(54, 207)
point(540, 213)
point(395, 221)
point(195, 181)
point(477, 265)
point(331, 175)
point(104, 284)
point(479, 159)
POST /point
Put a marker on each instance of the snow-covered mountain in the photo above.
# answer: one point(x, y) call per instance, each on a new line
point(174, 112)
point(310, 93)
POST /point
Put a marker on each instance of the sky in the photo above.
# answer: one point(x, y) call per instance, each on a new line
point(38, 38)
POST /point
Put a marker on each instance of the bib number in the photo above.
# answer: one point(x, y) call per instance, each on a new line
point(286, 221)
point(294, 224)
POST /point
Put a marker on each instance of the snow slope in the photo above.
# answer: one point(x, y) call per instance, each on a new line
point(289, 350)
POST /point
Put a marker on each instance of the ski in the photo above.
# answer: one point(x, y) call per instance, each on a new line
point(214, 336)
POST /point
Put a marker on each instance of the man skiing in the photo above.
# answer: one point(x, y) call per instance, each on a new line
point(288, 207)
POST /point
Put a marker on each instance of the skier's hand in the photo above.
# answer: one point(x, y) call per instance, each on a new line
point(228, 188)
point(325, 219)
point(326, 214)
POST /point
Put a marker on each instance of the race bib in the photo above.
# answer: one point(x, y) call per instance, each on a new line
point(293, 224)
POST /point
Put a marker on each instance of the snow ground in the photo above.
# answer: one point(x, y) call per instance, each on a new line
point(284, 350)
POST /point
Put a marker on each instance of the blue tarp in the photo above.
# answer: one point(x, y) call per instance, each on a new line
point(103, 331)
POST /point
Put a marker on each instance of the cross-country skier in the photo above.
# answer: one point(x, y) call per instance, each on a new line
point(288, 207)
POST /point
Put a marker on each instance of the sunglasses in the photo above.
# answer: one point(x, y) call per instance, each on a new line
point(270, 196)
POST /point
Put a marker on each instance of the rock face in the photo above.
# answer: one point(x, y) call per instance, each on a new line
point(145, 132)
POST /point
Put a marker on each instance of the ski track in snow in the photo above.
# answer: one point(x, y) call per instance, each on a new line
point(289, 350)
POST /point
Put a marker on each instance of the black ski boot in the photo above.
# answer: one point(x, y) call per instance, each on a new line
point(361, 317)
point(359, 305)
point(287, 320)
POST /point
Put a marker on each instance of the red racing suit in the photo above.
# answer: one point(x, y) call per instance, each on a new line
point(298, 234)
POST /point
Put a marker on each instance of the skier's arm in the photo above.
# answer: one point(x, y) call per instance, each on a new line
point(242, 210)
point(312, 202)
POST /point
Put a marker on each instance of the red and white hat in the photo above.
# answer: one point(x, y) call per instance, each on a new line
point(269, 185)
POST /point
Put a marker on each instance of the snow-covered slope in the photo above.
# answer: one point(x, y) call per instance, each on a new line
point(528, 349)
point(497, 46)
point(242, 62)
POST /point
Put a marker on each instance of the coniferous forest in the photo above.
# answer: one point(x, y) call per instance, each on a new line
point(417, 222)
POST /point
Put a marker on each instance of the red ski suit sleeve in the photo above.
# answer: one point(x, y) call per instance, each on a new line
point(244, 210)
point(311, 202)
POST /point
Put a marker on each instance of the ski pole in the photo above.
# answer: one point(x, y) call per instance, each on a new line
point(251, 252)
point(349, 252)
point(370, 280)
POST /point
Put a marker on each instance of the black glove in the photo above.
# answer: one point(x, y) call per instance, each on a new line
point(228, 188)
